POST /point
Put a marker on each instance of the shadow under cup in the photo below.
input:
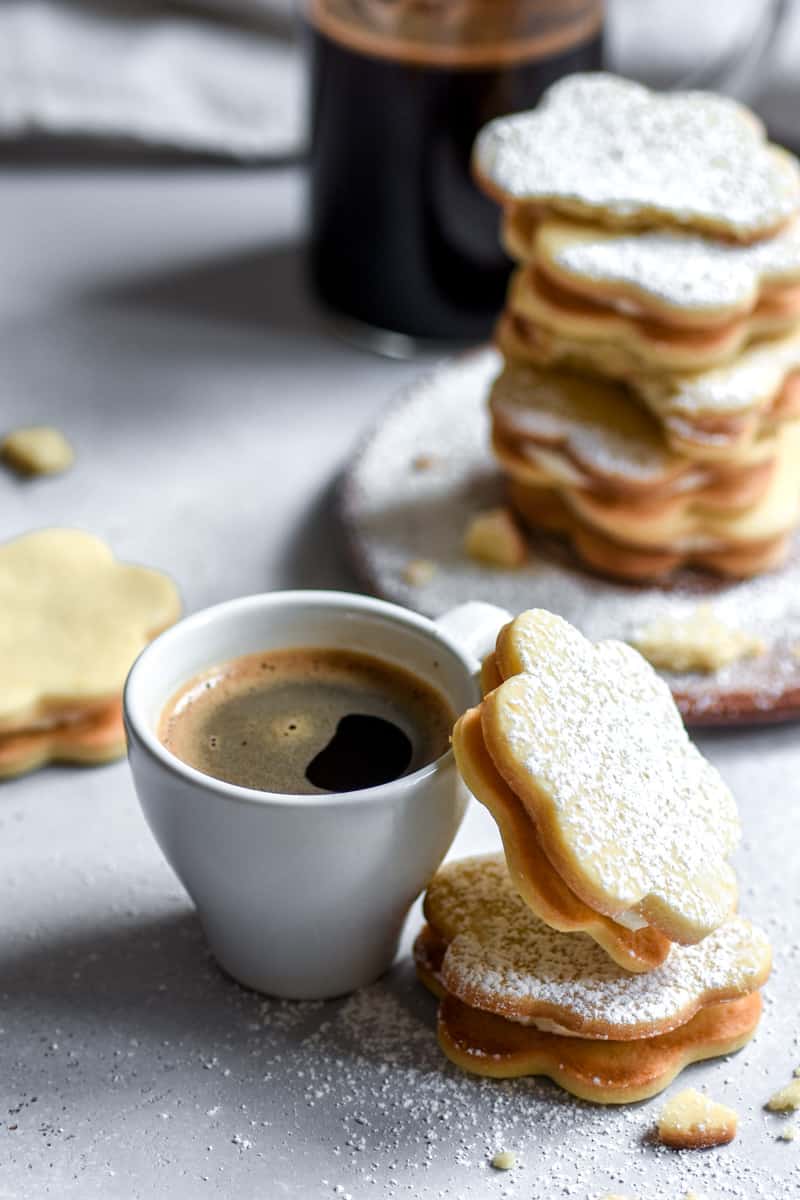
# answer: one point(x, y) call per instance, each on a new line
point(299, 896)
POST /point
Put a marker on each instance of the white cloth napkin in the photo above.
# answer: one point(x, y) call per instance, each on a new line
point(226, 77)
point(139, 72)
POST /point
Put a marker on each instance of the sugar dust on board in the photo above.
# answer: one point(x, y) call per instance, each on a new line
point(307, 720)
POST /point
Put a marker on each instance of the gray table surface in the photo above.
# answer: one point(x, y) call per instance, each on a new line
point(159, 317)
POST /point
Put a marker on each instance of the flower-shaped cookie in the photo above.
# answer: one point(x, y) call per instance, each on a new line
point(748, 511)
point(544, 508)
point(596, 422)
point(536, 880)
point(679, 277)
point(639, 343)
point(633, 818)
point(715, 413)
point(554, 427)
point(608, 149)
point(98, 737)
point(499, 958)
point(603, 1072)
point(73, 621)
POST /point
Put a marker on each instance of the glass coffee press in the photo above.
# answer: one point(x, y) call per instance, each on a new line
point(403, 244)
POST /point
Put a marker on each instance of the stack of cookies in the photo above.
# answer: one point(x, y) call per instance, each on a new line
point(603, 948)
point(649, 408)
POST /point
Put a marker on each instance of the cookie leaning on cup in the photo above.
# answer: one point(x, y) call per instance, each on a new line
point(537, 881)
point(73, 621)
point(587, 738)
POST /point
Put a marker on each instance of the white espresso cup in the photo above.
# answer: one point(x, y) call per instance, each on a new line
point(303, 896)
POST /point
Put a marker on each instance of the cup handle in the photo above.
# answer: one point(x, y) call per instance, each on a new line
point(474, 627)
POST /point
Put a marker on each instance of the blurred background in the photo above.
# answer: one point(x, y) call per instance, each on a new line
point(225, 77)
point(384, 96)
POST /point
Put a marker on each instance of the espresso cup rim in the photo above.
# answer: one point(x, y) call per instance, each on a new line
point(139, 731)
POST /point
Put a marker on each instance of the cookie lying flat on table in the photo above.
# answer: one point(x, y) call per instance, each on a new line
point(632, 817)
point(96, 738)
point(604, 1072)
point(537, 882)
point(677, 277)
point(607, 149)
point(73, 621)
point(500, 958)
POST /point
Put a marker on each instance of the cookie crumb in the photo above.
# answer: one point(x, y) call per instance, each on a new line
point(37, 450)
point(787, 1134)
point(786, 1099)
point(692, 1121)
point(493, 537)
point(424, 462)
point(419, 571)
point(504, 1160)
point(699, 642)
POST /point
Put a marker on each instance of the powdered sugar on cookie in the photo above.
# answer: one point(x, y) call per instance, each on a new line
point(503, 959)
point(677, 270)
point(599, 145)
point(599, 423)
point(748, 384)
point(626, 807)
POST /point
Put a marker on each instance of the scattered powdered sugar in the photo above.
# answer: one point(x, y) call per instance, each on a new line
point(351, 1097)
point(503, 959)
point(393, 1118)
point(602, 143)
point(394, 513)
point(675, 268)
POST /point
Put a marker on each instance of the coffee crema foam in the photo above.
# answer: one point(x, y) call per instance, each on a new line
point(306, 721)
point(459, 33)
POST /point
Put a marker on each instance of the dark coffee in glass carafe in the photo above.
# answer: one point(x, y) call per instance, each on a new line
point(401, 237)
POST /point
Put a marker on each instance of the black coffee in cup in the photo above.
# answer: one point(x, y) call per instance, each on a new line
point(402, 239)
point(307, 720)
